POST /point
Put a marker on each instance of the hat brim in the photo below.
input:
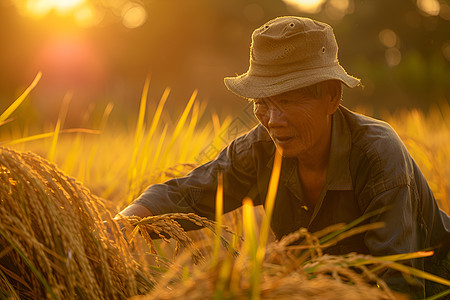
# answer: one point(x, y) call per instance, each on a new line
point(253, 87)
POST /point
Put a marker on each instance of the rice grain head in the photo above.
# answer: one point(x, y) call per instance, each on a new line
point(56, 245)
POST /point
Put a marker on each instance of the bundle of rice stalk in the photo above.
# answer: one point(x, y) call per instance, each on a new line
point(53, 243)
point(288, 272)
point(232, 279)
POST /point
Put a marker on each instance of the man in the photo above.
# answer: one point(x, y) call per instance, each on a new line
point(337, 165)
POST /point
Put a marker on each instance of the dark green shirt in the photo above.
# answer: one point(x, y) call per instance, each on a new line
point(369, 168)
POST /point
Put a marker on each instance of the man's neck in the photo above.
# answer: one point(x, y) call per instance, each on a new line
point(312, 172)
point(316, 160)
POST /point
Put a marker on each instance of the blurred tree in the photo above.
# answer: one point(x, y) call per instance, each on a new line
point(400, 49)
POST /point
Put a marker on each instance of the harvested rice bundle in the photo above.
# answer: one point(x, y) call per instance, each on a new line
point(232, 280)
point(289, 271)
point(53, 243)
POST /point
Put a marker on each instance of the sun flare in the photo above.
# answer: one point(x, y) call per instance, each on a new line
point(308, 6)
point(40, 8)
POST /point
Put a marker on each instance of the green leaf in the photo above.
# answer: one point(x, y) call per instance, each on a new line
point(19, 100)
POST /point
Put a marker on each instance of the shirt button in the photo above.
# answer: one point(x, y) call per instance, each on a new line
point(304, 207)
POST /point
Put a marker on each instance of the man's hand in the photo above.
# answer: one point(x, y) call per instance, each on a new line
point(131, 210)
point(134, 210)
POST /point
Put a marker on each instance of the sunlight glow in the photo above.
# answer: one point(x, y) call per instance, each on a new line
point(446, 50)
point(87, 16)
point(84, 13)
point(308, 6)
point(393, 56)
point(430, 7)
point(388, 38)
point(337, 9)
point(40, 8)
point(133, 15)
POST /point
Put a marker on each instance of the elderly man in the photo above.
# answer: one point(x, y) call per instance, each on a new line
point(337, 165)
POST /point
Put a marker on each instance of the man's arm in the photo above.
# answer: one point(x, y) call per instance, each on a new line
point(401, 234)
point(196, 192)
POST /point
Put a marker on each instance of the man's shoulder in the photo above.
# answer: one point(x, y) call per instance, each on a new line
point(256, 138)
point(370, 134)
point(378, 152)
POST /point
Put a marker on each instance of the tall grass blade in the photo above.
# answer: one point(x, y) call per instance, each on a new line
point(269, 204)
point(249, 224)
point(185, 114)
point(415, 272)
point(48, 135)
point(148, 145)
point(224, 277)
point(21, 98)
point(190, 134)
point(71, 160)
point(219, 221)
point(7, 121)
point(59, 125)
point(9, 287)
point(265, 227)
point(132, 172)
point(158, 112)
point(180, 124)
point(106, 113)
point(92, 154)
point(159, 147)
point(216, 122)
point(439, 296)
point(31, 266)
point(251, 245)
point(352, 224)
point(405, 256)
point(390, 261)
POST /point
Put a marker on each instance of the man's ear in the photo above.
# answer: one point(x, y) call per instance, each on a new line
point(335, 93)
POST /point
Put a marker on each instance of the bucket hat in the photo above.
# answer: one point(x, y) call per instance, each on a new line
point(289, 53)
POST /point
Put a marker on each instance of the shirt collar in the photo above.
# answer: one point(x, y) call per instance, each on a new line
point(338, 174)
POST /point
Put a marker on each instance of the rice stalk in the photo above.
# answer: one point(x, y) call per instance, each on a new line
point(41, 136)
point(327, 277)
point(218, 217)
point(59, 124)
point(58, 244)
point(149, 142)
point(94, 149)
point(179, 126)
point(138, 138)
point(166, 226)
point(265, 226)
point(4, 116)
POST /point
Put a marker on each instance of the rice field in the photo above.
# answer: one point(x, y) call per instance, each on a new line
point(56, 199)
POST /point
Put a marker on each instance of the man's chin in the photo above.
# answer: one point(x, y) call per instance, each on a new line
point(286, 152)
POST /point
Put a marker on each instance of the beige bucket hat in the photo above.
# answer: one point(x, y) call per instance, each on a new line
point(288, 53)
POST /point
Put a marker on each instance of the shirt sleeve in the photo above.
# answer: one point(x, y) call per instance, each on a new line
point(399, 235)
point(196, 193)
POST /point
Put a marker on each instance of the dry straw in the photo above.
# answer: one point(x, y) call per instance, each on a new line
point(325, 277)
point(54, 244)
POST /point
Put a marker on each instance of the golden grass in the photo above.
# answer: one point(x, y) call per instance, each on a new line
point(55, 244)
point(427, 137)
point(285, 274)
point(54, 236)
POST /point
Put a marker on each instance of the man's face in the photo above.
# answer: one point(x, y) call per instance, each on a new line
point(298, 123)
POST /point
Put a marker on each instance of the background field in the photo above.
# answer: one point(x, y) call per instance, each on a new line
point(132, 94)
